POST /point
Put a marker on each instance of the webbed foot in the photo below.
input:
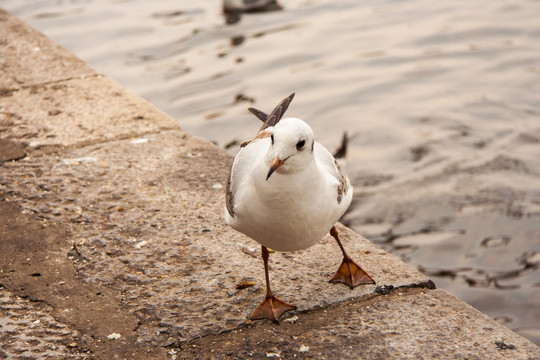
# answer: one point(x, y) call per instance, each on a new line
point(271, 308)
point(352, 274)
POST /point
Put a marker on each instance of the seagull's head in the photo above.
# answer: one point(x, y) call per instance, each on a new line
point(291, 148)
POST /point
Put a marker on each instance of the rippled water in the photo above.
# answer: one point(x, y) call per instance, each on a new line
point(442, 99)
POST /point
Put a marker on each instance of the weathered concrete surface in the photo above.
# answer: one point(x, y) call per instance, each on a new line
point(27, 330)
point(10, 150)
point(77, 111)
point(405, 324)
point(119, 212)
point(146, 217)
point(58, 315)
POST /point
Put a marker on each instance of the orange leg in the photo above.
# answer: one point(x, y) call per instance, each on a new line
point(349, 272)
point(271, 307)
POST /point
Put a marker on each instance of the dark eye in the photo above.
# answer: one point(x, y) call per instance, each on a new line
point(272, 138)
point(300, 144)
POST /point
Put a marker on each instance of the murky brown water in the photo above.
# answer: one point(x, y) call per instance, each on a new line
point(442, 100)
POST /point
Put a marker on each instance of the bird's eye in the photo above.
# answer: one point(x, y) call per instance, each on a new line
point(272, 138)
point(300, 144)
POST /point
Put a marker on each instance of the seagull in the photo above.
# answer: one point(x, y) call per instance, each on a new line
point(286, 191)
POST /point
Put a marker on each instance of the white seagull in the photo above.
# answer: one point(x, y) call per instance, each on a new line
point(286, 191)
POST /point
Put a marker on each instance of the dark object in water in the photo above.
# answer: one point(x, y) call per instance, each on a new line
point(233, 9)
point(250, 5)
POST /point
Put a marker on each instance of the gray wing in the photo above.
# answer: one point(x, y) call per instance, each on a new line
point(326, 161)
point(242, 167)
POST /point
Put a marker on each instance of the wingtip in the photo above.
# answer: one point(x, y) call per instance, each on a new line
point(341, 151)
point(275, 116)
point(258, 113)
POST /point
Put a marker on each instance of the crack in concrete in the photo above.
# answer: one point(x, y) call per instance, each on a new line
point(8, 91)
point(44, 150)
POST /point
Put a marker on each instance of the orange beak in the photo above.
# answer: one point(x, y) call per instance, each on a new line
point(276, 163)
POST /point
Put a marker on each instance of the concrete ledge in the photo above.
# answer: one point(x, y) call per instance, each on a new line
point(78, 111)
point(405, 324)
point(111, 231)
point(146, 217)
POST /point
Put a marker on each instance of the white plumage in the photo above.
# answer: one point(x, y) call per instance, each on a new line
point(286, 192)
point(298, 204)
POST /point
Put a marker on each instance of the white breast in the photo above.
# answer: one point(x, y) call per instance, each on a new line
point(289, 211)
